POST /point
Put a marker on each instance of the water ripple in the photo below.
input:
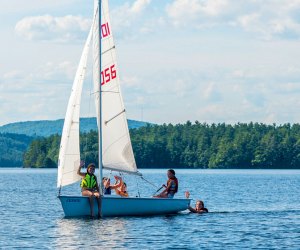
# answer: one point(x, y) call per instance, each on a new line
point(248, 210)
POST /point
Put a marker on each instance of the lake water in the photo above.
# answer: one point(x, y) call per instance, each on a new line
point(249, 209)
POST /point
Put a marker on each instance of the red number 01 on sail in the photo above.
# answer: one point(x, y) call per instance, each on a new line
point(105, 30)
point(108, 74)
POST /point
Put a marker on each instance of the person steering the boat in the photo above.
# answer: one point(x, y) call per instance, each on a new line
point(89, 185)
point(107, 187)
point(199, 206)
point(172, 186)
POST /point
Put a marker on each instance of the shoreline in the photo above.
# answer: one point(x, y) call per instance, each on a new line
point(206, 169)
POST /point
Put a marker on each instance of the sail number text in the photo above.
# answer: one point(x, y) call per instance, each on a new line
point(108, 74)
point(105, 31)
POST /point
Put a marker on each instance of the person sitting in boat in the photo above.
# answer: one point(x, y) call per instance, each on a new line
point(199, 206)
point(172, 186)
point(122, 190)
point(107, 187)
point(89, 185)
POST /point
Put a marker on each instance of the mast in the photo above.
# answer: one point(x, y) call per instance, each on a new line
point(100, 104)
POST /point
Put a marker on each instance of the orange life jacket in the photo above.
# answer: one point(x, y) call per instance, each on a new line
point(174, 187)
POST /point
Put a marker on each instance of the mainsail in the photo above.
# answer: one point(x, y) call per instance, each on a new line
point(117, 153)
point(69, 152)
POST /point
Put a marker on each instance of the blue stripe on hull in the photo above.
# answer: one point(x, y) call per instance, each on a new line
point(78, 206)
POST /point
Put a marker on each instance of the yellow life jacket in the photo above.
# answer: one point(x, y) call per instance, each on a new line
point(89, 181)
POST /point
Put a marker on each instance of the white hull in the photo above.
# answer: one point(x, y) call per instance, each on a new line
point(78, 206)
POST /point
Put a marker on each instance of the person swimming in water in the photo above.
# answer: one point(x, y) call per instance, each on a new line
point(199, 206)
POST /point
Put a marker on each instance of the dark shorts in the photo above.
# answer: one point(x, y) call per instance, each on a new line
point(89, 189)
point(171, 195)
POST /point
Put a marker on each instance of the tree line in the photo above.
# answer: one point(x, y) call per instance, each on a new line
point(191, 145)
point(12, 148)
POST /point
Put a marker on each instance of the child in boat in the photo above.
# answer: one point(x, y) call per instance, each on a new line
point(89, 185)
point(122, 190)
point(199, 206)
point(107, 187)
point(172, 186)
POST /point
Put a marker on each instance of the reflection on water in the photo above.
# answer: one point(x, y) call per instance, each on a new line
point(80, 231)
point(248, 210)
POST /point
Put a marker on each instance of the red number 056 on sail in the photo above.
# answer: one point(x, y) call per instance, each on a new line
point(108, 74)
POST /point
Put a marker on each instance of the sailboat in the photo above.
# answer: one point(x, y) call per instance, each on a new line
point(115, 149)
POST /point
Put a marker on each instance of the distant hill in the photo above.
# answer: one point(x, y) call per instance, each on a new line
point(12, 148)
point(16, 137)
point(46, 128)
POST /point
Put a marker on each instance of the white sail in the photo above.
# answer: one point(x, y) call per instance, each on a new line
point(69, 152)
point(117, 150)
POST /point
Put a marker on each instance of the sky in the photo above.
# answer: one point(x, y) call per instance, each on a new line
point(212, 61)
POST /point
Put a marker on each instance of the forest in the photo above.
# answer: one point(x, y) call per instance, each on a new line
point(191, 145)
point(12, 148)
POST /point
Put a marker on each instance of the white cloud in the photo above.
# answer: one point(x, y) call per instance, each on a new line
point(271, 19)
point(40, 94)
point(41, 79)
point(289, 88)
point(14, 74)
point(180, 8)
point(130, 81)
point(62, 29)
point(182, 11)
point(16, 6)
point(225, 72)
point(269, 28)
point(250, 20)
point(238, 73)
point(268, 19)
point(127, 19)
point(211, 93)
point(139, 5)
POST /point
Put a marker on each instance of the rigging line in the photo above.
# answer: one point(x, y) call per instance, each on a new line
point(114, 117)
point(107, 148)
point(106, 91)
point(137, 185)
point(124, 171)
point(115, 92)
point(120, 163)
point(68, 172)
point(149, 182)
point(113, 47)
point(95, 92)
point(122, 176)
